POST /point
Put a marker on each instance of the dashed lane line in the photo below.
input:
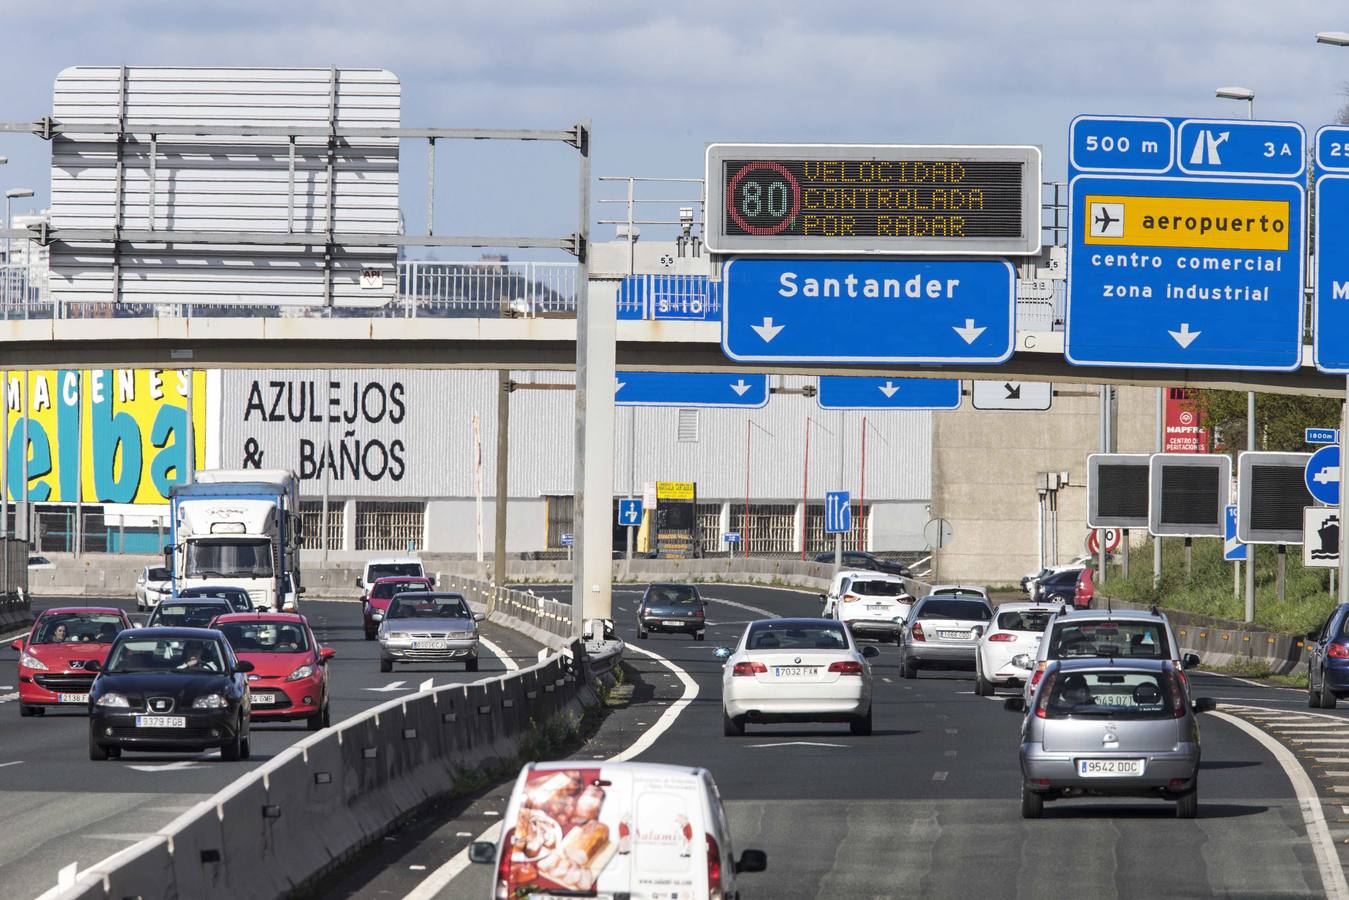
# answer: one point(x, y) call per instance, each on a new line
point(5, 698)
point(510, 664)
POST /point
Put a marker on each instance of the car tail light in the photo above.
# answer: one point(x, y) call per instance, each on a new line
point(917, 631)
point(1337, 651)
point(748, 668)
point(1002, 637)
point(503, 891)
point(848, 598)
point(1042, 701)
point(846, 667)
point(1177, 696)
point(713, 869)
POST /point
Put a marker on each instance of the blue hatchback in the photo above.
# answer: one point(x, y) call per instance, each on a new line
point(1328, 660)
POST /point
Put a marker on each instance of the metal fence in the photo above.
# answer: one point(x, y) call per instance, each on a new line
point(390, 525)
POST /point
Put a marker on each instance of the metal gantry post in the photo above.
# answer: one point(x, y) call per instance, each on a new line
point(1250, 548)
point(1157, 541)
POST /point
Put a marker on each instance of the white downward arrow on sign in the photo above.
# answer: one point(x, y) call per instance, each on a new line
point(888, 389)
point(740, 387)
point(620, 386)
point(767, 330)
point(389, 688)
point(969, 333)
point(1185, 337)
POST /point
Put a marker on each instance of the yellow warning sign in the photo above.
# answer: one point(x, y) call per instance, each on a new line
point(1188, 222)
point(674, 490)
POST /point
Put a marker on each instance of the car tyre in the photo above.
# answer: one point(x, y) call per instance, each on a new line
point(471, 665)
point(641, 634)
point(861, 726)
point(319, 720)
point(97, 752)
point(1313, 696)
point(982, 686)
point(732, 727)
point(907, 669)
point(369, 635)
point(1327, 698)
point(386, 665)
point(1032, 804)
point(700, 635)
point(25, 711)
point(245, 748)
point(1187, 805)
point(232, 750)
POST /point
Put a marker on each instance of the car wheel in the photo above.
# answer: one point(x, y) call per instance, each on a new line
point(908, 669)
point(861, 726)
point(641, 634)
point(1187, 805)
point(26, 711)
point(1032, 804)
point(232, 751)
point(1327, 698)
point(386, 665)
point(1313, 696)
point(318, 721)
point(982, 686)
point(245, 748)
point(700, 635)
point(731, 727)
point(369, 635)
point(97, 751)
point(471, 665)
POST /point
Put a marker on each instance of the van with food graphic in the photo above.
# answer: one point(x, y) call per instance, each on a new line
point(637, 830)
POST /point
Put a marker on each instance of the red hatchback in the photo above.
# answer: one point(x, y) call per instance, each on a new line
point(55, 659)
point(1084, 592)
point(381, 591)
point(290, 670)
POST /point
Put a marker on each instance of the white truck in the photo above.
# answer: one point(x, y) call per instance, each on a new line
point(238, 527)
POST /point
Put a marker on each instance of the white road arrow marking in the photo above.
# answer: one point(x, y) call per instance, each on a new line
point(767, 330)
point(888, 389)
point(800, 744)
point(1185, 337)
point(168, 767)
point(389, 688)
point(740, 387)
point(969, 333)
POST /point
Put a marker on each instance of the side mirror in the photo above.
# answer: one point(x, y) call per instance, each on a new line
point(431, 580)
point(1204, 704)
point(92, 665)
point(1189, 660)
point(168, 558)
point(16, 644)
point(1014, 704)
point(482, 852)
point(479, 617)
point(326, 653)
point(869, 651)
point(243, 666)
point(751, 861)
point(722, 653)
point(824, 598)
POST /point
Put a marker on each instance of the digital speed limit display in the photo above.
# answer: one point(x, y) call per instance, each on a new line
point(862, 199)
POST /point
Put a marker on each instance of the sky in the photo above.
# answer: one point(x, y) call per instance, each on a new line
point(659, 81)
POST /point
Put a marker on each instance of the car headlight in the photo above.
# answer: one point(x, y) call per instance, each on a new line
point(395, 637)
point(305, 671)
point(29, 661)
point(210, 701)
point(111, 699)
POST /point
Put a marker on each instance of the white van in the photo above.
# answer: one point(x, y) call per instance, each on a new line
point(390, 567)
point(636, 830)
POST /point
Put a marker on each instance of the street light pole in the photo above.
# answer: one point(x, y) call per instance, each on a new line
point(11, 195)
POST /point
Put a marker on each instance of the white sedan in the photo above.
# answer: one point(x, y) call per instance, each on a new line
point(796, 670)
point(1016, 629)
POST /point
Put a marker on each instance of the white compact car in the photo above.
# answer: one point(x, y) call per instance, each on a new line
point(957, 590)
point(871, 604)
point(1016, 629)
point(796, 670)
point(154, 584)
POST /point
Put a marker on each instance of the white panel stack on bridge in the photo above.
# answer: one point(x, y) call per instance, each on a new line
point(263, 179)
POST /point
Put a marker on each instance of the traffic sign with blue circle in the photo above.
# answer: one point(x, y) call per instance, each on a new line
point(1323, 474)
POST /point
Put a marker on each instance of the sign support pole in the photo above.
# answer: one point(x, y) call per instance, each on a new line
point(1124, 554)
point(1105, 448)
point(1250, 550)
point(1344, 502)
point(502, 478)
point(1157, 541)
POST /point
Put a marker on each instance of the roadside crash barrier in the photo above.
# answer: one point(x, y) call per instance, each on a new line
point(315, 804)
point(1220, 642)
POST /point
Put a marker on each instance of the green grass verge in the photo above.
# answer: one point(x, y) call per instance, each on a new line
point(1259, 671)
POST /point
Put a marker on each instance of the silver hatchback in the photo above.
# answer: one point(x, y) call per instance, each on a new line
point(1105, 727)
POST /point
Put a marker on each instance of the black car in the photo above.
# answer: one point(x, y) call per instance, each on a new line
point(236, 597)
point(672, 607)
point(1057, 587)
point(195, 612)
point(170, 689)
point(859, 559)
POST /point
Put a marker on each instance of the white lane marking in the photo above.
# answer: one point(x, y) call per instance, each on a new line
point(1268, 687)
point(176, 766)
point(799, 744)
point(1323, 845)
point(757, 610)
point(389, 688)
point(5, 698)
point(18, 634)
point(131, 836)
point(17, 762)
point(437, 881)
point(510, 664)
point(939, 776)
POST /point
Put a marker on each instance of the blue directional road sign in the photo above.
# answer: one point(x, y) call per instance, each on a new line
point(1323, 474)
point(690, 389)
point(1330, 303)
point(630, 511)
point(1321, 436)
point(566, 540)
point(837, 513)
point(872, 310)
point(1185, 244)
point(1233, 550)
point(731, 537)
point(859, 392)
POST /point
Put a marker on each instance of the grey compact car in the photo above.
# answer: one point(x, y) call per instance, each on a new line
point(942, 632)
point(425, 626)
point(1112, 728)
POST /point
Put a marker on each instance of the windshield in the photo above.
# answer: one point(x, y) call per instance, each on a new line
point(265, 637)
point(1138, 640)
point(671, 596)
point(955, 609)
point(1025, 620)
point(796, 636)
point(210, 558)
point(186, 615)
point(394, 570)
point(237, 598)
point(1118, 695)
point(188, 655)
point(389, 588)
point(158, 574)
point(877, 588)
point(423, 607)
point(70, 628)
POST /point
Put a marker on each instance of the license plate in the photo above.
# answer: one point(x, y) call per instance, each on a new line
point(675, 623)
point(161, 721)
point(430, 645)
point(875, 607)
point(795, 671)
point(264, 699)
point(1109, 768)
point(954, 635)
point(72, 698)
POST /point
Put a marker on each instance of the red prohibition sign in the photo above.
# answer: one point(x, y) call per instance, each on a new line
point(735, 182)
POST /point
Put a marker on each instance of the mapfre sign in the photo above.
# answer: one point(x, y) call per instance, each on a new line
point(1184, 431)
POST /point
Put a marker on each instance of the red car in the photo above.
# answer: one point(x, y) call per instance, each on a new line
point(1085, 590)
point(290, 670)
point(54, 660)
point(381, 591)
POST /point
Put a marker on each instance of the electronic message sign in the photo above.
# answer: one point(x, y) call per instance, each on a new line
point(873, 198)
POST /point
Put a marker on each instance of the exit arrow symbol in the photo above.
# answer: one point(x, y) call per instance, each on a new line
point(740, 387)
point(969, 333)
point(767, 330)
point(1185, 337)
point(888, 389)
point(1013, 393)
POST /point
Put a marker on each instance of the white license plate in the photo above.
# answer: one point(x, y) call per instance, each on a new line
point(876, 607)
point(430, 645)
point(954, 635)
point(795, 671)
point(1109, 768)
point(264, 699)
point(161, 721)
point(72, 698)
point(675, 623)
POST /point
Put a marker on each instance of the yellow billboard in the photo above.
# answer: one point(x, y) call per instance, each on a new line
point(120, 434)
point(1199, 222)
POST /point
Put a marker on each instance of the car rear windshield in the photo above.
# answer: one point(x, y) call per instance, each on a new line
point(1117, 694)
point(266, 637)
point(428, 608)
point(1136, 640)
point(395, 570)
point(235, 597)
point(77, 628)
point(187, 615)
point(191, 656)
point(955, 609)
point(1025, 620)
point(671, 596)
point(390, 588)
point(787, 636)
point(876, 588)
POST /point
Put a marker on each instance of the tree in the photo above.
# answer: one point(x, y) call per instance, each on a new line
point(1280, 419)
